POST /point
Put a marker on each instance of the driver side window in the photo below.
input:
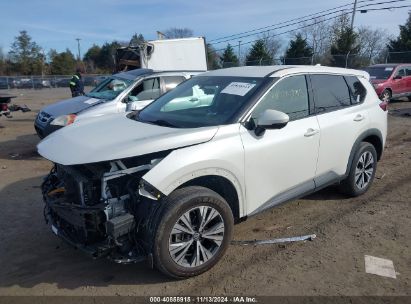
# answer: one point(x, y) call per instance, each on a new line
point(401, 72)
point(147, 90)
point(289, 95)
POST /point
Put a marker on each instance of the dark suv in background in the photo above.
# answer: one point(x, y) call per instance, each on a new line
point(391, 80)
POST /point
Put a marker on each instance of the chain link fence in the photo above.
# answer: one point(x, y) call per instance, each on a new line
point(354, 61)
point(43, 82)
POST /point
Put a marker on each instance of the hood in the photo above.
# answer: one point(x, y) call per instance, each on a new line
point(113, 137)
point(71, 106)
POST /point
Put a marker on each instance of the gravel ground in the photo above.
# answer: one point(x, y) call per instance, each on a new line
point(35, 262)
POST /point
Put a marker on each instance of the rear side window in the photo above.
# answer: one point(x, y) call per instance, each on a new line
point(331, 92)
point(172, 81)
point(408, 71)
point(357, 90)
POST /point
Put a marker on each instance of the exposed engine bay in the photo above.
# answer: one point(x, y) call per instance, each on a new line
point(105, 209)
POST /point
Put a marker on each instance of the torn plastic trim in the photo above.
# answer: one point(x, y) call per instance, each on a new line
point(308, 237)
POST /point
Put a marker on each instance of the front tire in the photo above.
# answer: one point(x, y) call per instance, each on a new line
point(386, 95)
point(362, 171)
point(193, 232)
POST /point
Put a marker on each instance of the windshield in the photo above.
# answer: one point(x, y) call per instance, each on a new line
point(201, 101)
point(380, 72)
point(110, 88)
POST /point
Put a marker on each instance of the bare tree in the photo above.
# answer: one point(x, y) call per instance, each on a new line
point(317, 34)
point(272, 44)
point(373, 42)
point(175, 32)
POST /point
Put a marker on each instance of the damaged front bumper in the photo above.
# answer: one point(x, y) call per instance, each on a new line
point(105, 210)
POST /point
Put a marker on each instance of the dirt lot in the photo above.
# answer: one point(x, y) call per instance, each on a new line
point(35, 262)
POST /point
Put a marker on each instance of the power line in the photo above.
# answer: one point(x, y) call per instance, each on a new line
point(269, 28)
point(317, 22)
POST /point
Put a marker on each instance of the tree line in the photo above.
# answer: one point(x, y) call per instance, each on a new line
point(329, 43)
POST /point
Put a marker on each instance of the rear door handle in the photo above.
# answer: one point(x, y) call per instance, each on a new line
point(311, 132)
point(359, 117)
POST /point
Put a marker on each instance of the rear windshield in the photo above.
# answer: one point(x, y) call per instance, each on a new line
point(380, 72)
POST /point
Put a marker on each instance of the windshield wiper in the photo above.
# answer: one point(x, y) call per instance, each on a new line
point(162, 123)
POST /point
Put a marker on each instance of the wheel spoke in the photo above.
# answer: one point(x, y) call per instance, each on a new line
point(187, 221)
point(180, 229)
point(182, 254)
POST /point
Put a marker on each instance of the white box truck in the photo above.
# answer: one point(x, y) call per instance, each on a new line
point(188, 54)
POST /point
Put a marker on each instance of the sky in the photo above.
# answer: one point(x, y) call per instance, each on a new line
point(57, 23)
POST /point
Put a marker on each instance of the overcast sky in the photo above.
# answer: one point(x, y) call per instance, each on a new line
point(56, 23)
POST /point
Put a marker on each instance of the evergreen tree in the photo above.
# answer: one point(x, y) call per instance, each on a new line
point(259, 54)
point(298, 52)
point(402, 43)
point(212, 58)
point(63, 63)
point(345, 44)
point(136, 39)
point(91, 58)
point(105, 60)
point(25, 55)
point(229, 59)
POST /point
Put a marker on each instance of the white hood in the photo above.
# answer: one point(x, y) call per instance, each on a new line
point(115, 136)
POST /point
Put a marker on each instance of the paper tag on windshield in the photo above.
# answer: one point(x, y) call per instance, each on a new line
point(91, 101)
point(238, 88)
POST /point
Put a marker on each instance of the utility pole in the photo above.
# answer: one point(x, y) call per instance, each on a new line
point(78, 47)
point(353, 14)
point(239, 52)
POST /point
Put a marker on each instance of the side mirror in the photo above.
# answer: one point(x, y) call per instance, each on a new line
point(397, 77)
point(270, 119)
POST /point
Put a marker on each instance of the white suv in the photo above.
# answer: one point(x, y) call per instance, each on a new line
point(169, 182)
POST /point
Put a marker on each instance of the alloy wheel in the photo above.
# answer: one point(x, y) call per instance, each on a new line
point(364, 170)
point(196, 237)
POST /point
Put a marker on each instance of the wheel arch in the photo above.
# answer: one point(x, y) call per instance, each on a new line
point(372, 136)
point(221, 185)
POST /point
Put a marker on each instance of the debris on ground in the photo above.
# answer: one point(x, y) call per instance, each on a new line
point(379, 266)
point(309, 237)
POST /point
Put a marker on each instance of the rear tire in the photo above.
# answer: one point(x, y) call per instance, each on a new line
point(193, 232)
point(362, 171)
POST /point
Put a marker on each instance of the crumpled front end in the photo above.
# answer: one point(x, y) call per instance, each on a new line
point(104, 209)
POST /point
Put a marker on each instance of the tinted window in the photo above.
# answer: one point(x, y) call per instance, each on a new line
point(331, 92)
point(407, 71)
point(357, 90)
point(289, 96)
point(400, 72)
point(172, 81)
point(380, 72)
point(147, 90)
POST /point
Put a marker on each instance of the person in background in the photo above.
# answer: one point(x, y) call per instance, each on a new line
point(76, 84)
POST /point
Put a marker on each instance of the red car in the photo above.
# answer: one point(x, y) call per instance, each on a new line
point(391, 80)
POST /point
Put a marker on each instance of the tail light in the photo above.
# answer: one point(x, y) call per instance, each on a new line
point(384, 105)
point(4, 107)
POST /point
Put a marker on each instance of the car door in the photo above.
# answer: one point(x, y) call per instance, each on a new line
point(342, 119)
point(407, 81)
point(281, 163)
point(398, 82)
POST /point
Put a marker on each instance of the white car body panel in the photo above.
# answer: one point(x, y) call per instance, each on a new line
point(115, 137)
point(221, 156)
point(279, 160)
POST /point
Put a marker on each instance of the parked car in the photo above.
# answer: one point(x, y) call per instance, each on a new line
point(3, 83)
point(167, 183)
point(121, 92)
point(391, 80)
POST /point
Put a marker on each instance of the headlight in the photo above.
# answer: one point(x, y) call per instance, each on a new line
point(64, 120)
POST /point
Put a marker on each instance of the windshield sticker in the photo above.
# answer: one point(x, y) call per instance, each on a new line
point(91, 101)
point(388, 69)
point(238, 88)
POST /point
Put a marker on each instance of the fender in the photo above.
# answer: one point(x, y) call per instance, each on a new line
point(370, 132)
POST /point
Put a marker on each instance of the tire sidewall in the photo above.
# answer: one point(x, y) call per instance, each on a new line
point(168, 219)
point(364, 147)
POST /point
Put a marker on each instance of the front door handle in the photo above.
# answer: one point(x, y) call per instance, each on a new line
point(359, 117)
point(311, 132)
